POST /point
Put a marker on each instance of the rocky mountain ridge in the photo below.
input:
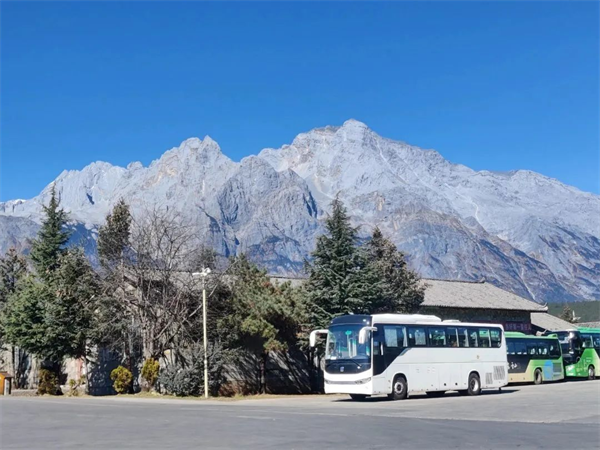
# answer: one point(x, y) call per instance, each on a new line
point(522, 231)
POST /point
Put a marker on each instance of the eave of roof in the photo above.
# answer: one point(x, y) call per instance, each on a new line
point(475, 295)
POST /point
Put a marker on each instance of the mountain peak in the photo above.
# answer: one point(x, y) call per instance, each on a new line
point(354, 124)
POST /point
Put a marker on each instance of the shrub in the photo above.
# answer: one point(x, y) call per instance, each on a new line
point(182, 382)
point(48, 383)
point(122, 378)
point(189, 380)
point(150, 371)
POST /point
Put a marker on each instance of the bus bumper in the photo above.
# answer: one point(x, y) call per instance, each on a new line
point(364, 387)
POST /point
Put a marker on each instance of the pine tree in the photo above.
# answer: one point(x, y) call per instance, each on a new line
point(49, 315)
point(24, 318)
point(69, 314)
point(334, 284)
point(113, 236)
point(264, 317)
point(51, 319)
point(51, 239)
point(113, 318)
point(397, 287)
point(12, 268)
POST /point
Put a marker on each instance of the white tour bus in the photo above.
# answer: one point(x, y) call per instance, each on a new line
point(396, 354)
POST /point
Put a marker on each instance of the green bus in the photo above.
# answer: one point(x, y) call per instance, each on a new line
point(533, 359)
point(581, 350)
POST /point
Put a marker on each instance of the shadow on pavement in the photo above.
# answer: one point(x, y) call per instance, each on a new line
point(422, 396)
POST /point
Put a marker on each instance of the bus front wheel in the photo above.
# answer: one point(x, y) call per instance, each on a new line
point(537, 377)
point(591, 373)
point(399, 388)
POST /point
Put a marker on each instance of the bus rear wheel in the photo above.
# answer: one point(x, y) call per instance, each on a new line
point(399, 388)
point(591, 373)
point(537, 377)
point(358, 397)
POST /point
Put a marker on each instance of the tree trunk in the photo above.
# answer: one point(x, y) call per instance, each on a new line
point(263, 373)
point(87, 371)
point(14, 367)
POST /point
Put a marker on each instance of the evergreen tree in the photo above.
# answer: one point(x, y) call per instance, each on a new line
point(69, 314)
point(334, 286)
point(24, 318)
point(49, 315)
point(12, 268)
point(114, 235)
point(51, 239)
point(264, 318)
point(51, 319)
point(397, 287)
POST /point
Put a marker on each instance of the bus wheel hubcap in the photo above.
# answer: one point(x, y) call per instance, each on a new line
point(399, 388)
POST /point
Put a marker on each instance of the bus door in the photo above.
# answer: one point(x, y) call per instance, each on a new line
point(518, 359)
point(392, 343)
point(450, 377)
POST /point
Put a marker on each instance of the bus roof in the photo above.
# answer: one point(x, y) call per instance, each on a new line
point(423, 319)
point(589, 330)
point(405, 318)
point(517, 334)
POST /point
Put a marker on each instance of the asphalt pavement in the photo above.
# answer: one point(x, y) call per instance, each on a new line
point(551, 416)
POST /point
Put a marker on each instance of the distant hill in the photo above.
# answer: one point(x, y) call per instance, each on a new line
point(587, 311)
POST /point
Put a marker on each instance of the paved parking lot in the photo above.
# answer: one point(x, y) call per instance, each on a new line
point(552, 416)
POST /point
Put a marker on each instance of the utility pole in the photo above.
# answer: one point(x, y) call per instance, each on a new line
point(204, 273)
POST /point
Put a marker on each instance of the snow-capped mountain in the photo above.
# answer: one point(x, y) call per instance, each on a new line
point(520, 230)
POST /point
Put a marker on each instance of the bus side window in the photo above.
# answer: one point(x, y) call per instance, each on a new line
point(495, 336)
point(520, 348)
point(452, 337)
point(484, 337)
point(394, 336)
point(437, 337)
point(510, 347)
point(532, 349)
point(472, 337)
point(596, 341)
point(416, 337)
point(555, 349)
point(587, 341)
point(543, 348)
point(463, 337)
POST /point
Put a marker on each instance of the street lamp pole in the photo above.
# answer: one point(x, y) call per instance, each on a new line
point(204, 274)
point(204, 334)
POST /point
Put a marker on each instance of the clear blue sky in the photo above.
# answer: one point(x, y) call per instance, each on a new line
point(496, 86)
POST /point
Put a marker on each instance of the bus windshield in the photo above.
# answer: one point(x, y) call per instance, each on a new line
point(342, 343)
point(570, 342)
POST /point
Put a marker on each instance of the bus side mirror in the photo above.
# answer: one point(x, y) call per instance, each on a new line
point(362, 334)
point(312, 340)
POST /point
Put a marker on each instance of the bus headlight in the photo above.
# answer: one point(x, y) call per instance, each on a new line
point(363, 381)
